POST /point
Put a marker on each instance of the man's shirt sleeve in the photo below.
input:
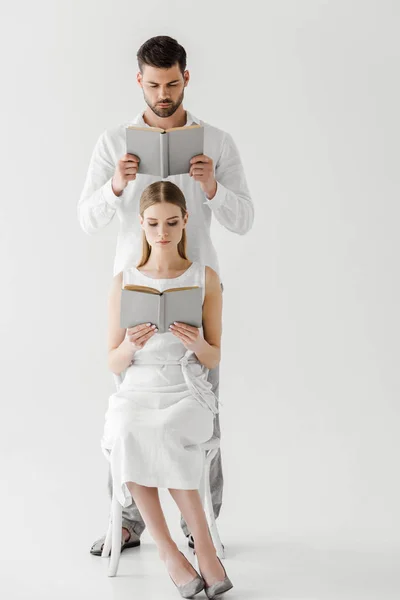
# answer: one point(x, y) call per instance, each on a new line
point(98, 203)
point(232, 204)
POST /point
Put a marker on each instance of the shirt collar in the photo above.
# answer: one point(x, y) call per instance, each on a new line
point(190, 120)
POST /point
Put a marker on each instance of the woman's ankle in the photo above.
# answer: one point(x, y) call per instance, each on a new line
point(165, 548)
point(204, 547)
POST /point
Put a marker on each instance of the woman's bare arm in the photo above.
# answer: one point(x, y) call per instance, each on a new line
point(209, 352)
point(120, 349)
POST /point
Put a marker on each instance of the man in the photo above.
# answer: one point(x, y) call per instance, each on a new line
point(216, 185)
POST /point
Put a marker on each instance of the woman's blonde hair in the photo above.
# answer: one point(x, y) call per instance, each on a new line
point(155, 193)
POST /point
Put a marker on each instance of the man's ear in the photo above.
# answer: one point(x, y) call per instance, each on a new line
point(186, 78)
point(139, 78)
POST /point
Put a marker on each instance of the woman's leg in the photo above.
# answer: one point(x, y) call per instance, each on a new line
point(189, 503)
point(148, 502)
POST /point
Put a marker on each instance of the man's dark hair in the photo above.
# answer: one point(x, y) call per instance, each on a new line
point(162, 52)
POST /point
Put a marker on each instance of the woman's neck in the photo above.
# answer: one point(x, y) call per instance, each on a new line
point(162, 262)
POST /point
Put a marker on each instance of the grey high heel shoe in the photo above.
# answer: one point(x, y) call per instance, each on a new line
point(218, 588)
point(190, 589)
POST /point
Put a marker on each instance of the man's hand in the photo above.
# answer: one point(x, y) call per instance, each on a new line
point(189, 336)
point(125, 171)
point(202, 170)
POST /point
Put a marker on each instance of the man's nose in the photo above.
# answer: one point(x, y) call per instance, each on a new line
point(164, 93)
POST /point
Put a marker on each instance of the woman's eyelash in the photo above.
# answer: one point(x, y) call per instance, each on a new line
point(171, 224)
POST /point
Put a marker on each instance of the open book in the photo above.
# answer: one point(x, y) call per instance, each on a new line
point(141, 304)
point(164, 152)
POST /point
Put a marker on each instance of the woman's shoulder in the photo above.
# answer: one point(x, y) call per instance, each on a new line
point(129, 269)
point(209, 274)
point(116, 284)
point(131, 274)
point(212, 280)
point(118, 277)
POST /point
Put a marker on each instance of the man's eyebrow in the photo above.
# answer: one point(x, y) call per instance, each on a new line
point(169, 218)
point(156, 82)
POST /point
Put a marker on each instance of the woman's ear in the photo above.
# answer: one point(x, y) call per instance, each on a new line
point(185, 219)
point(141, 221)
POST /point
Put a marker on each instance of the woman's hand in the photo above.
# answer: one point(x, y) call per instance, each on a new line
point(189, 336)
point(139, 335)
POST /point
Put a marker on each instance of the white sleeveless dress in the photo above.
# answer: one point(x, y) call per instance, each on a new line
point(163, 410)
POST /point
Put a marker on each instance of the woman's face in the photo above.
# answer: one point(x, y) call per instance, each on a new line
point(163, 225)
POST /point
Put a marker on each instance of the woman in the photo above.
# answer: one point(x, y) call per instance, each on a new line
point(165, 406)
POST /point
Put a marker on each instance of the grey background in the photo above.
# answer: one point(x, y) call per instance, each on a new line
point(309, 377)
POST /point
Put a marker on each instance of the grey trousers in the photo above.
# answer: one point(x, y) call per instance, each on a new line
point(131, 517)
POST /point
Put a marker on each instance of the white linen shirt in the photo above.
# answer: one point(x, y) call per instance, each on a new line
point(231, 205)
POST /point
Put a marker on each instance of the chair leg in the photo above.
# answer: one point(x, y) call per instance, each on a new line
point(116, 509)
point(211, 519)
point(107, 542)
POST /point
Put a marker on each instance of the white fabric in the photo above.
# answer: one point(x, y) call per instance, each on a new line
point(163, 410)
point(232, 205)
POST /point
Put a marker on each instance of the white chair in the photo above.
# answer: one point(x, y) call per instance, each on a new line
point(112, 543)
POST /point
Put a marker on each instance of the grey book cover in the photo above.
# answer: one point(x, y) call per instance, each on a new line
point(165, 152)
point(147, 305)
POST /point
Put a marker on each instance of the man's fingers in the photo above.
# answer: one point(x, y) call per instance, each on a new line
point(200, 158)
point(131, 170)
point(199, 171)
point(130, 157)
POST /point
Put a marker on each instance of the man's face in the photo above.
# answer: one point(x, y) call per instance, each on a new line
point(163, 86)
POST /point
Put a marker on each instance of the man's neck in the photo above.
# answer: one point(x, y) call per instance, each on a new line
point(178, 119)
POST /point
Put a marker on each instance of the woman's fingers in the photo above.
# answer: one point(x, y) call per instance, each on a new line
point(185, 328)
point(139, 328)
point(141, 333)
point(184, 338)
point(191, 332)
point(141, 342)
point(139, 338)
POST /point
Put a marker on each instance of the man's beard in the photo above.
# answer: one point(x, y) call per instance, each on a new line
point(168, 111)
